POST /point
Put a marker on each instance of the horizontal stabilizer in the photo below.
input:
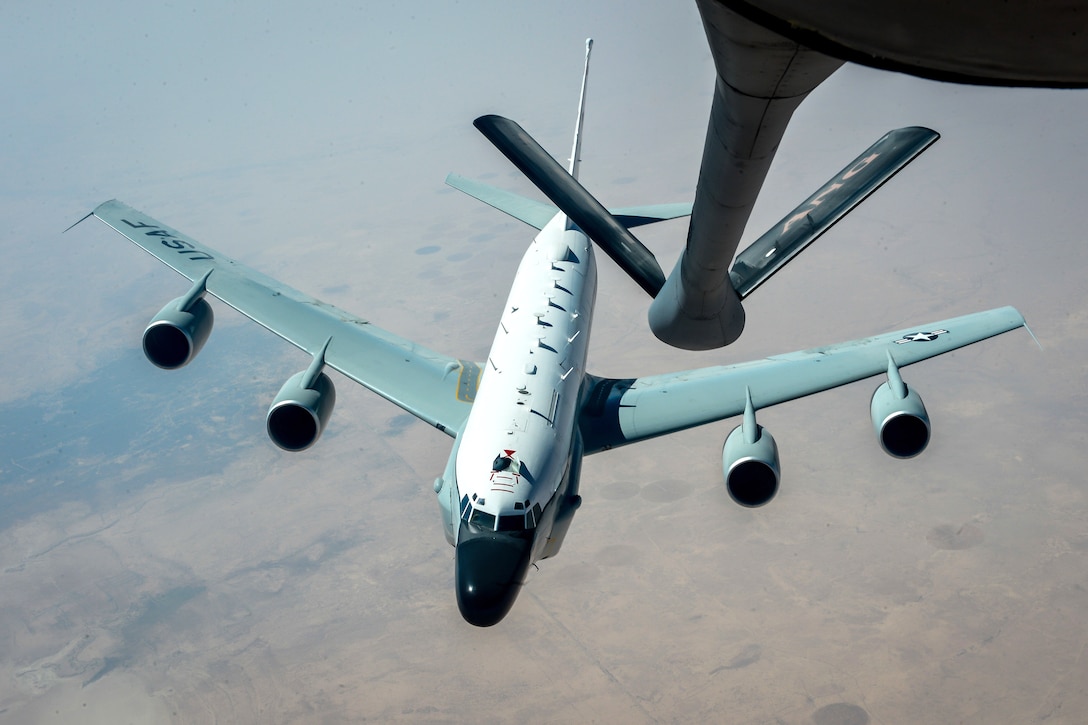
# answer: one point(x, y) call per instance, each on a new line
point(578, 204)
point(534, 213)
point(637, 216)
point(834, 200)
point(537, 214)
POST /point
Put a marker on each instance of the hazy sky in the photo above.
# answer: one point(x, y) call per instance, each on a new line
point(162, 561)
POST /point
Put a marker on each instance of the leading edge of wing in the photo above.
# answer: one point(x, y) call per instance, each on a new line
point(435, 388)
point(617, 412)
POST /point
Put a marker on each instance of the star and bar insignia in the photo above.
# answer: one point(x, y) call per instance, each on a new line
point(921, 336)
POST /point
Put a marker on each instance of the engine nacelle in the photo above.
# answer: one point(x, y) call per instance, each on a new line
point(900, 421)
point(298, 414)
point(176, 335)
point(751, 467)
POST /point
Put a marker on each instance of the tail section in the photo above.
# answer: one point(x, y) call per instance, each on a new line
point(609, 230)
point(537, 214)
point(534, 213)
point(573, 199)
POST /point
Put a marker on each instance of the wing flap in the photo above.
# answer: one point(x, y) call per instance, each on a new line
point(626, 411)
point(435, 388)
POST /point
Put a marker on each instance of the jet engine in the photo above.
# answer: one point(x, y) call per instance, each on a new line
point(750, 462)
point(300, 411)
point(899, 419)
point(177, 333)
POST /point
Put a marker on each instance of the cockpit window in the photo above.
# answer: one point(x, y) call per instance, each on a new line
point(483, 519)
point(515, 522)
point(506, 522)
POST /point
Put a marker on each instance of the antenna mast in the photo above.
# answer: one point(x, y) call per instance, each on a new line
point(576, 151)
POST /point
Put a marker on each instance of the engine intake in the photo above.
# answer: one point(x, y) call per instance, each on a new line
point(752, 470)
point(900, 420)
point(299, 413)
point(178, 332)
point(750, 462)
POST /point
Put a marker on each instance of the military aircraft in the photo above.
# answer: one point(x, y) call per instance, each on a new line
point(523, 419)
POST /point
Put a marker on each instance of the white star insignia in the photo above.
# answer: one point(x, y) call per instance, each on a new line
point(921, 337)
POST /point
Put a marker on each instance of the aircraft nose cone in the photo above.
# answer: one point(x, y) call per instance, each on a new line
point(490, 571)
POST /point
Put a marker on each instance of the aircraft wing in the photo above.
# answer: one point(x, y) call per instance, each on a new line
point(435, 388)
point(618, 412)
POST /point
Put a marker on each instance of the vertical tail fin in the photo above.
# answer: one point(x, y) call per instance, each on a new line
point(576, 150)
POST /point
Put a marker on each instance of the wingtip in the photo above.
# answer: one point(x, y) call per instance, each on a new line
point(1030, 331)
point(1018, 318)
point(83, 219)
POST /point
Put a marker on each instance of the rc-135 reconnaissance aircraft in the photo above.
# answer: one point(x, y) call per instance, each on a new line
point(522, 420)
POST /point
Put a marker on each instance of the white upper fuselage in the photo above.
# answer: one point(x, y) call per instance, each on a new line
point(526, 406)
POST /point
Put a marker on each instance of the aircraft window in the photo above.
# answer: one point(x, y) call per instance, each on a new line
point(530, 520)
point(483, 519)
point(536, 511)
point(464, 505)
point(511, 523)
point(518, 506)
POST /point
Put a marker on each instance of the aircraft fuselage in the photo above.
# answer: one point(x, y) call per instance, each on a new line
point(515, 466)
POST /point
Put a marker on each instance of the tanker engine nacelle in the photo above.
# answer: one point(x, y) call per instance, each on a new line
point(750, 462)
